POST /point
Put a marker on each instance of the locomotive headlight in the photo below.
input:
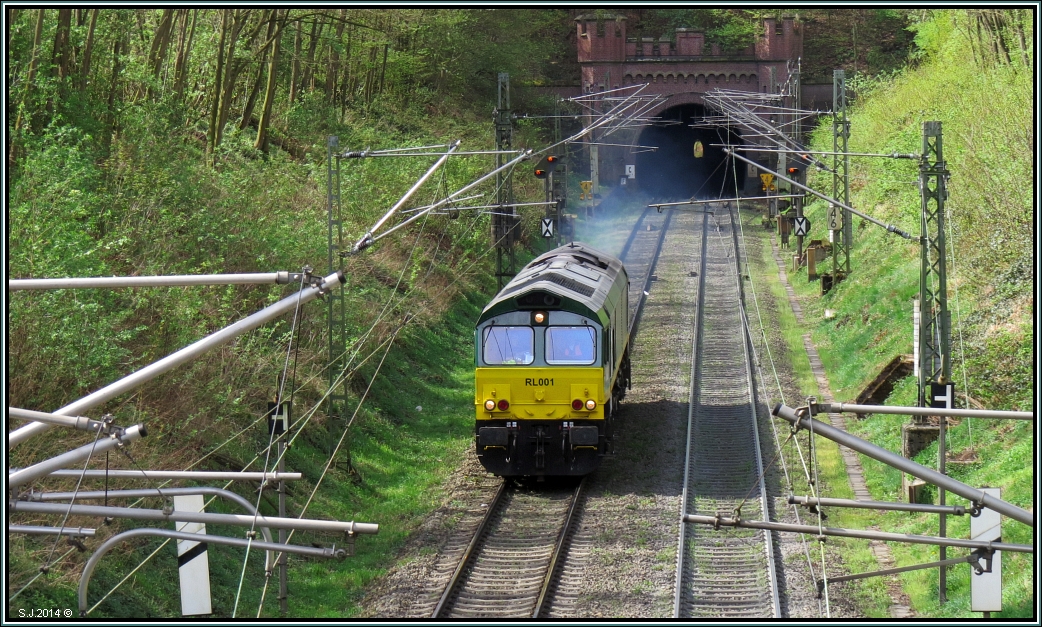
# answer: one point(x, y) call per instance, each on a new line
point(540, 317)
point(591, 404)
point(504, 405)
point(490, 405)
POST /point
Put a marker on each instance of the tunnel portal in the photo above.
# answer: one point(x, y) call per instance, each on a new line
point(673, 172)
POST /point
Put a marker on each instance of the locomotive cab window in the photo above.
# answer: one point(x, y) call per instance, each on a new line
point(571, 345)
point(508, 345)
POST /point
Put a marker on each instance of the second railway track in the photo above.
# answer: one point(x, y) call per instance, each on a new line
point(727, 572)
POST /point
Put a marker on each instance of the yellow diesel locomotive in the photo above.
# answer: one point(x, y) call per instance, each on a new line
point(552, 358)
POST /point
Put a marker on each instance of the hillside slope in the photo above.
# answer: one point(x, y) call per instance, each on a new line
point(985, 103)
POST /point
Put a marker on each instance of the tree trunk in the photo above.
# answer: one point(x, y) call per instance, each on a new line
point(999, 27)
point(1020, 17)
point(370, 77)
point(184, 49)
point(62, 57)
point(213, 138)
point(160, 45)
point(251, 100)
point(383, 69)
point(269, 95)
point(161, 41)
point(34, 62)
point(12, 15)
point(140, 15)
point(230, 73)
point(345, 83)
point(113, 96)
point(309, 68)
point(88, 49)
point(294, 74)
point(333, 66)
point(80, 20)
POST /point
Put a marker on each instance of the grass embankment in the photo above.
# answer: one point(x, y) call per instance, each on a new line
point(985, 112)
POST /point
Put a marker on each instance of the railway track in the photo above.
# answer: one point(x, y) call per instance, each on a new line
point(727, 572)
point(508, 569)
point(640, 255)
point(515, 564)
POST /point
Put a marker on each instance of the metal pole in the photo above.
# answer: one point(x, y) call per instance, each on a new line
point(890, 155)
point(336, 310)
point(719, 200)
point(150, 281)
point(458, 153)
point(814, 530)
point(800, 419)
point(448, 199)
point(934, 350)
point(32, 530)
point(16, 437)
point(843, 237)
point(367, 239)
point(956, 510)
point(44, 468)
point(889, 227)
point(76, 422)
point(191, 475)
point(92, 563)
point(836, 408)
point(157, 492)
point(283, 565)
point(502, 232)
point(972, 558)
point(242, 520)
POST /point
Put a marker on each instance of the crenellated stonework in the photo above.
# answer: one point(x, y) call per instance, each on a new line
point(683, 63)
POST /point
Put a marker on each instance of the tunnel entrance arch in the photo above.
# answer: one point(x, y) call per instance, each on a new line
point(673, 172)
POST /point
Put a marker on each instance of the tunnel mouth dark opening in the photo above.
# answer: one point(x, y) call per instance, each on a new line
point(673, 172)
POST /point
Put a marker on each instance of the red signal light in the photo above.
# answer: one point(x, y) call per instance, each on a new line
point(545, 167)
point(504, 405)
point(577, 405)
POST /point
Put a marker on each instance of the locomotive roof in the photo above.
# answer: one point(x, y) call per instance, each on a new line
point(581, 276)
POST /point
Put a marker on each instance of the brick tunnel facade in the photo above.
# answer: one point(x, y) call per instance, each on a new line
point(681, 68)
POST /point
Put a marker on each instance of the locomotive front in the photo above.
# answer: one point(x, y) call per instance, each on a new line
point(552, 361)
